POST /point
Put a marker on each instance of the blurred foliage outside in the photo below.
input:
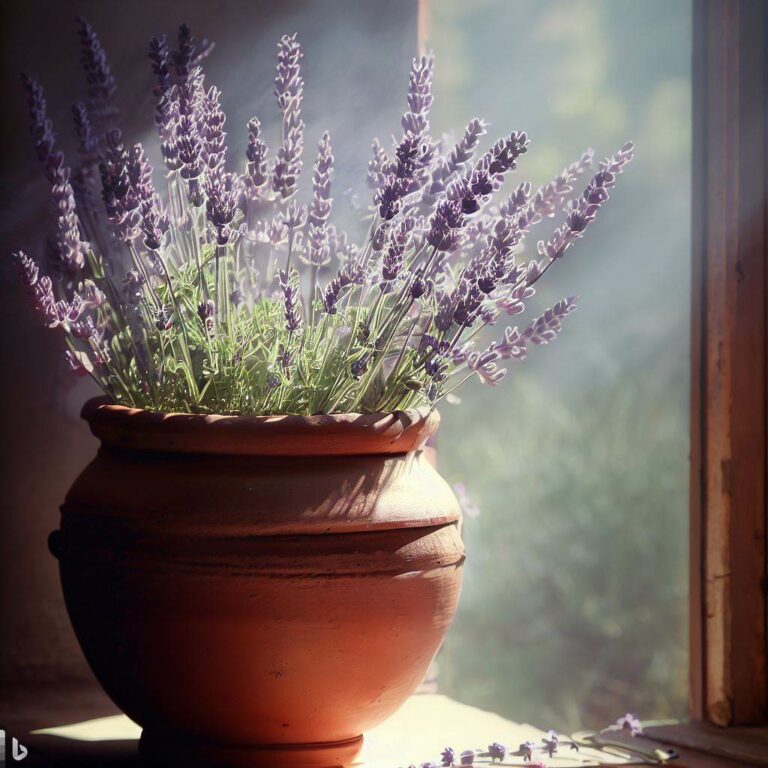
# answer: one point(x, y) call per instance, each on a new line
point(574, 607)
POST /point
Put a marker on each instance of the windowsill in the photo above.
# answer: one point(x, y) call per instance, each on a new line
point(703, 742)
point(86, 729)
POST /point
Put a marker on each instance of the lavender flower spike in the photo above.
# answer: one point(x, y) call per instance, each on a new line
point(460, 155)
point(223, 193)
point(42, 129)
point(120, 199)
point(408, 172)
point(318, 250)
point(290, 301)
point(70, 248)
point(211, 121)
point(154, 224)
point(484, 365)
point(101, 82)
point(39, 287)
point(289, 90)
point(89, 143)
point(545, 328)
point(166, 112)
point(583, 211)
point(256, 176)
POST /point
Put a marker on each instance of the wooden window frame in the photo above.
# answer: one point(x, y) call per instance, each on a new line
point(729, 666)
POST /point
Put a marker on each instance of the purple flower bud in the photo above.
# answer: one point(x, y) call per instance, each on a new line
point(448, 757)
point(497, 751)
point(210, 121)
point(484, 365)
point(101, 82)
point(360, 366)
point(42, 129)
point(291, 301)
point(206, 310)
point(163, 319)
point(377, 165)
point(318, 249)
point(582, 211)
point(289, 90)
point(222, 192)
point(256, 174)
point(118, 193)
point(89, 143)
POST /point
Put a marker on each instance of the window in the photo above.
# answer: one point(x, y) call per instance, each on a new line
point(575, 605)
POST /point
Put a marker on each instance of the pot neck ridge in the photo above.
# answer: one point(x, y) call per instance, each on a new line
point(400, 432)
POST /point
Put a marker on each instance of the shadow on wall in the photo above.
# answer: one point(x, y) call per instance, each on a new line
point(356, 64)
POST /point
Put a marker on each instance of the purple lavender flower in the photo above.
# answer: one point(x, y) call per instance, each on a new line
point(408, 171)
point(71, 249)
point(207, 314)
point(91, 294)
point(119, 196)
point(89, 144)
point(630, 723)
point(461, 153)
point(291, 301)
point(160, 57)
point(445, 225)
point(448, 757)
point(42, 129)
point(222, 194)
point(163, 319)
point(497, 751)
point(467, 303)
point(210, 122)
point(185, 56)
point(419, 286)
point(550, 743)
point(101, 83)
point(350, 274)
point(256, 175)
point(526, 751)
point(318, 249)
point(543, 330)
point(515, 202)
point(40, 288)
point(582, 211)
point(377, 165)
point(502, 157)
point(360, 366)
point(397, 241)
point(512, 302)
point(154, 223)
point(166, 96)
point(206, 310)
point(289, 90)
point(550, 197)
point(484, 365)
point(187, 144)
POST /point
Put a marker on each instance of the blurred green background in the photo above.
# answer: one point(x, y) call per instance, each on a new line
point(574, 607)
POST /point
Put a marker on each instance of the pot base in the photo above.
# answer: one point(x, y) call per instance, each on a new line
point(160, 751)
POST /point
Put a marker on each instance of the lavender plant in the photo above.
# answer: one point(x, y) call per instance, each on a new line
point(205, 295)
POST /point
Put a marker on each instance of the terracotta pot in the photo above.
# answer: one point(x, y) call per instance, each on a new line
point(257, 591)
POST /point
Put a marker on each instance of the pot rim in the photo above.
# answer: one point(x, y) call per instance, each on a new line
point(398, 432)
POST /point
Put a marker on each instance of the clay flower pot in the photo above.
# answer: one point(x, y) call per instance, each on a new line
point(259, 590)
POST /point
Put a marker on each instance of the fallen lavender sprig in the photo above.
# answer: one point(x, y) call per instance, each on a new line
point(552, 743)
point(206, 291)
